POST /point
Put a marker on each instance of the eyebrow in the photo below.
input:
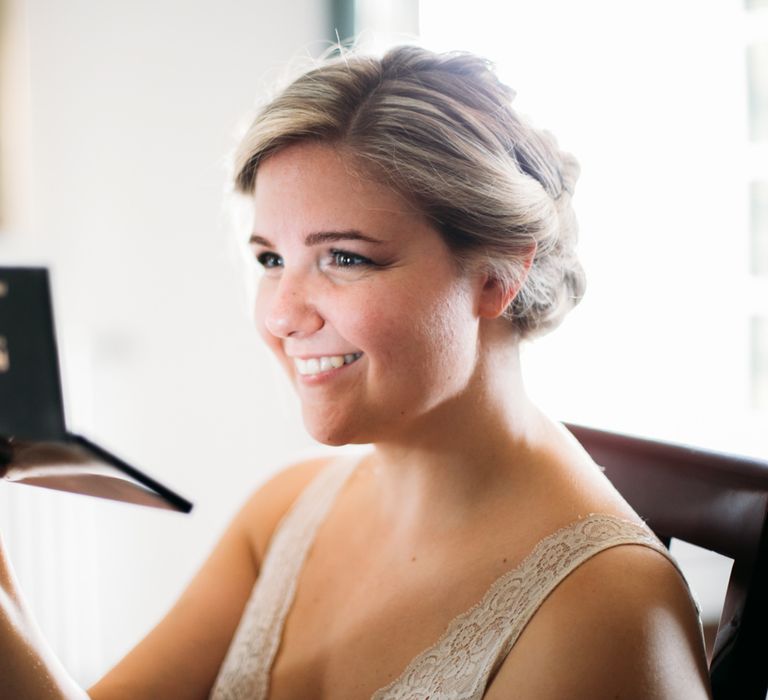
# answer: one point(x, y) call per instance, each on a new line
point(321, 237)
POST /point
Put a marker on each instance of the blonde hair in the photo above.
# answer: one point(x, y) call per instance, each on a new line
point(440, 129)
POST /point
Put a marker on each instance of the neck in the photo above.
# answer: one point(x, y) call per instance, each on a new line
point(453, 461)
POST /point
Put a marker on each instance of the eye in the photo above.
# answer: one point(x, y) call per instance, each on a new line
point(343, 258)
point(269, 260)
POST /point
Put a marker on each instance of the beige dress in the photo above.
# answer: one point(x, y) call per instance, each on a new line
point(474, 645)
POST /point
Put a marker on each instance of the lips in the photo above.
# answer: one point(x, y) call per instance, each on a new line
point(315, 365)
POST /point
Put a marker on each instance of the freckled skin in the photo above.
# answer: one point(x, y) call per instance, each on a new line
point(411, 313)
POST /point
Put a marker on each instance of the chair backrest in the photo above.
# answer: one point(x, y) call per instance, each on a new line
point(712, 500)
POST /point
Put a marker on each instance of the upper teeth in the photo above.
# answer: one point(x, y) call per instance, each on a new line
point(315, 365)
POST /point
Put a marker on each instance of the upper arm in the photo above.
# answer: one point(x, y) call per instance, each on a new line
point(622, 625)
point(181, 656)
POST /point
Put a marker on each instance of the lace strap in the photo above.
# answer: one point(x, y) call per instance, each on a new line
point(246, 668)
point(571, 548)
point(476, 643)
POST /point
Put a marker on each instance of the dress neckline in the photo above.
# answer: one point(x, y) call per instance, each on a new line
point(460, 657)
point(514, 578)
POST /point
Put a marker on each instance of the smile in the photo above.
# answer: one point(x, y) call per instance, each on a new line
point(316, 365)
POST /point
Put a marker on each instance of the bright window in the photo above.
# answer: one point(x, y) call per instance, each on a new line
point(659, 103)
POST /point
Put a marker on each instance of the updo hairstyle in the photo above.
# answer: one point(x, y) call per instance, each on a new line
point(440, 130)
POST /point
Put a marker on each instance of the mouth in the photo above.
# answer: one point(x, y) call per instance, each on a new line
point(311, 366)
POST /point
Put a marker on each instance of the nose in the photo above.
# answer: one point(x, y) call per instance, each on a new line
point(288, 310)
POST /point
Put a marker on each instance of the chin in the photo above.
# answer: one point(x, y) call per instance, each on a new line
point(335, 434)
point(332, 438)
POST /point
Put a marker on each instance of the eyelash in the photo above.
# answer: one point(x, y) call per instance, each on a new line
point(269, 260)
point(361, 260)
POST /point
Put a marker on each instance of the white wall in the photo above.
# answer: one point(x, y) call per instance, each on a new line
point(132, 107)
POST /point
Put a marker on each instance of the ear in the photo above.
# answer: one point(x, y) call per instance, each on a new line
point(495, 296)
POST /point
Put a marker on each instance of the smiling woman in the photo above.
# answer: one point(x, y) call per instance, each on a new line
point(411, 230)
point(318, 300)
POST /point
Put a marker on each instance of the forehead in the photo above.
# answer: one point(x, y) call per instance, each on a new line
point(313, 185)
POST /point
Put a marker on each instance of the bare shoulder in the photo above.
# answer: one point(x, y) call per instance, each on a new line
point(622, 625)
point(264, 508)
point(181, 656)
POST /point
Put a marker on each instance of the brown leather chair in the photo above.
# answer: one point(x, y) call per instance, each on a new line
point(716, 501)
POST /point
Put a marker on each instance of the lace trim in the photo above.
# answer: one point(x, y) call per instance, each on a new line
point(246, 668)
point(476, 642)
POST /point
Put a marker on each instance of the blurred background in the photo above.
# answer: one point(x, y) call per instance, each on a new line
point(115, 123)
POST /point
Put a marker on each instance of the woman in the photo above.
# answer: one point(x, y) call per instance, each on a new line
point(412, 230)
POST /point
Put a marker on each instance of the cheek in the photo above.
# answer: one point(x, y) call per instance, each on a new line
point(450, 334)
point(425, 329)
point(451, 331)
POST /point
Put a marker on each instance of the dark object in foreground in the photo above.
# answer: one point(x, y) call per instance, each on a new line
point(713, 500)
point(35, 446)
point(79, 466)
